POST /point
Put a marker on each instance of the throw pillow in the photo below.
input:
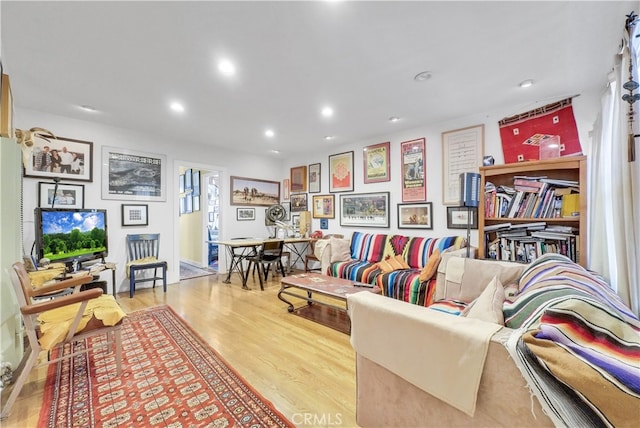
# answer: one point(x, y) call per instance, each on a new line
point(340, 250)
point(431, 267)
point(488, 306)
point(391, 264)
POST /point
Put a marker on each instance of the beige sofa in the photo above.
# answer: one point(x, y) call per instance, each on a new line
point(418, 367)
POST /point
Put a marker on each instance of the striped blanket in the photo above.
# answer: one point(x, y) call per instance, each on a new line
point(577, 330)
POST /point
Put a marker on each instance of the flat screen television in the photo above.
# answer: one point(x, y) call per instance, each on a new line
point(66, 235)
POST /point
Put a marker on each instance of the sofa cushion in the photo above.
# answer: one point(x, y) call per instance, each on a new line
point(431, 267)
point(340, 250)
point(368, 246)
point(355, 270)
point(405, 285)
point(418, 250)
point(488, 306)
point(392, 263)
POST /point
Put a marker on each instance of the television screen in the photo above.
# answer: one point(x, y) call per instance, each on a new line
point(65, 235)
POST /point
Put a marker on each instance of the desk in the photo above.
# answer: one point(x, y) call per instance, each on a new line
point(239, 249)
point(43, 276)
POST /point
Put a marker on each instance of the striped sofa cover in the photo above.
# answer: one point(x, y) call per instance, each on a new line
point(367, 249)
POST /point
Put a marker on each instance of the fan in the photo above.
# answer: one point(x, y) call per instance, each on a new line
point(274, 213)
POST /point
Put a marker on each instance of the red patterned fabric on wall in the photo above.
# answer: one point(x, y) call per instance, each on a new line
point(521, 134)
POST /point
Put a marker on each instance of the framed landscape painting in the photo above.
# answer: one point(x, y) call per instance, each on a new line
point(365, 210)
point(252, 191)
point(415, 216)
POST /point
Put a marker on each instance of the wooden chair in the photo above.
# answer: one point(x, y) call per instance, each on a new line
point(311, 257)
point(270, 253)
point(31, 310)
point(144, 250)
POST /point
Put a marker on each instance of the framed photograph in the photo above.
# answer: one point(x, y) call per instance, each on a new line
point(324, 224)
point(181, 183)
point(295, 222)
point(457, 217)
point(285, 189)
point(245, 214)
point(64, 158)
point(414, 184)
point(324, 206)
point(196, 203)
point(188, 204)
point(376, 163)
point(135, 215)
point(314, 178)
point(287, 210)
point(252, 191)
point(133, 175)
point(365, 210)
point(183, 205)
point(211, 217)
point(462, 151)
point(188, 180)
point(299, 202)
point(415, 216)
point(298, 177)
point(66, 195)
point(195, 182)
point(341, 172)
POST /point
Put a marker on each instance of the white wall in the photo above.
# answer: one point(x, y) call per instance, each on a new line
point(585, 107)
point(163, 215)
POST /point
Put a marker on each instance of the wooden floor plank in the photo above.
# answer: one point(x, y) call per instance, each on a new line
point(307, 370)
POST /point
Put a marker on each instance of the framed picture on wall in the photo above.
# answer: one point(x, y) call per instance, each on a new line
point(66, 195)
point(252, 191)
point(365, 210)
point(414, 183)
point(133, 175)
point(245, 214)
point(462, 151)
point(324, 206)
point(415, 216)
point(63, 158)
point(135, 215)
point(299, 202)
point(314, 178)
point(376, 163)
point(285, 189)
point(298, 177)
point(459, 217)
point(341, 172)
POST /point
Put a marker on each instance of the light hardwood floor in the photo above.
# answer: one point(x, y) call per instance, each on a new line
point(305, 369)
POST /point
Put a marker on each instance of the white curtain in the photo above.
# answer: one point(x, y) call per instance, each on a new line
point(614, 186)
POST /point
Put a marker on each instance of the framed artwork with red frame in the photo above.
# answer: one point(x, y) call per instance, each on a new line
point(414, 183)
point(376, 163)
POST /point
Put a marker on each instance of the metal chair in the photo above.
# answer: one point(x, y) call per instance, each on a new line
point(30, 311)
point(270, 253)
point(311, 256)
point(143, 256)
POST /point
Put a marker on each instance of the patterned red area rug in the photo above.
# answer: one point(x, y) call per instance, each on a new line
point(170, 377)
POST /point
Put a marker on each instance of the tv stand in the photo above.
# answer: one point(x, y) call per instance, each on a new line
point(99, 265)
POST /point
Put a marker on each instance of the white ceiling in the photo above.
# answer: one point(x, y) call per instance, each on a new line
point(130, 59)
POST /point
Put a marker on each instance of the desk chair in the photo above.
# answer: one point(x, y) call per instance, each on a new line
point(270, 253)
point(59, 313)
point(311, 257)
point(143, 256)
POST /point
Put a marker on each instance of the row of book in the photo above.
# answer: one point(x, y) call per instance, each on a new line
point(527, 241)
point(532, 197)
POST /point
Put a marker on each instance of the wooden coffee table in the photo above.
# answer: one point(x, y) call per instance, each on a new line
point(330, 311)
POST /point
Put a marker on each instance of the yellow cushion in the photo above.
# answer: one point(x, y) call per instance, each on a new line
point(55, 324)
point(431, 267)
point(392, 263)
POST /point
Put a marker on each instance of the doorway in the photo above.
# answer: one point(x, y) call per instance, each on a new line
point(199, 220)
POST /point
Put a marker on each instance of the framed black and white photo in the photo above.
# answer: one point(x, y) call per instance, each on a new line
point(365, 210)
point(133, 175)
point(415, 216)
point(314, 178)
point(244, 214)
point(188, 180)
point(196, 203)
point(181, 183)
point(188, 204)
point(196, 182)
point(135, 215)
point(287, 210)
point(458, 217)
point(66, 195)
point(63, 158)
point(299, 202)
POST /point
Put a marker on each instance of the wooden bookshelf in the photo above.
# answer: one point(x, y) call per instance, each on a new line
point(572, 168)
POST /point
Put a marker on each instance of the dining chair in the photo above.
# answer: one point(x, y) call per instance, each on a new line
point(62, 321)
point(143, 252)
point(270, 253)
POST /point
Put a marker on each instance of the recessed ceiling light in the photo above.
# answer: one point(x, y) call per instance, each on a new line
point(276, 152)
point(526, 83)
point(327, 112)
point(394, 119)
point(226, 67)
point(329, 137)
point(269, 133)
point(421, 77)
point(88, 108)
point(177, 107)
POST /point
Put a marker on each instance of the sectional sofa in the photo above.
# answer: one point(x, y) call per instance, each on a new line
point(395, 263)
point(503, 344)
